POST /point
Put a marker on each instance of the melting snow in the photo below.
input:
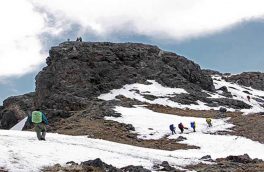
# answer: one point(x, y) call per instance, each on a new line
point(136, 91)
point(239, 93)
point(153, 125)
point(154, 89)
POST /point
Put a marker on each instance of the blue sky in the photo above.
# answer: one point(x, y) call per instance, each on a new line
point(227, 42)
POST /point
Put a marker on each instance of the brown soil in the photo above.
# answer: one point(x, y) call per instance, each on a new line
point(250, 126)
point(111, 131)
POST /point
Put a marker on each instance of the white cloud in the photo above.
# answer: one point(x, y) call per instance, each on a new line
point(21, 24)
point(19, 45)
point(176, 19)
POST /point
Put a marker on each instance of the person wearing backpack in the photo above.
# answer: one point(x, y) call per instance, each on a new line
point(181, 127)
point(39, 120)
point(193, 126)
point(209, 122)
point(172, 128)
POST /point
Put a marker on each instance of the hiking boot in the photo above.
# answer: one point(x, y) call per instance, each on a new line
point(42, 139)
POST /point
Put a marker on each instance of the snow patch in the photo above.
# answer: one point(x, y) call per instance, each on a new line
point(19, 126)
point(154, 88)
point(240, 93)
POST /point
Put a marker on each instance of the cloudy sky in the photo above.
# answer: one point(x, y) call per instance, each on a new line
point(223, 35)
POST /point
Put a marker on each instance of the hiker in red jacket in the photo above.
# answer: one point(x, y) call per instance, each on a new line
point(181, 127)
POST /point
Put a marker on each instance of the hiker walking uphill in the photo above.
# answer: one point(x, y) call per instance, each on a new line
point(193, 126)
point(172, 128)
point(209, 122)
point(181, 127)
point(39, 120)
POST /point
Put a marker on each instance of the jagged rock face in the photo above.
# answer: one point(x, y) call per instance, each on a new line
point(15, 108)
point(78, 72)
point(249, 79)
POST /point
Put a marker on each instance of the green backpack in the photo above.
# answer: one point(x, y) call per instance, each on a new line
point(36, 117)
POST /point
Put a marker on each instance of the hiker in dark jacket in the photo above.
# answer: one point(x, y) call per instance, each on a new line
point(181, 127)
point(172, 128)
point(39, 120)
point(193, 126)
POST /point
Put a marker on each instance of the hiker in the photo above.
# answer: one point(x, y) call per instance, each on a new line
point(209, 122)
point(79, 39)
point(172, 128)
point(181, 127)
point(248, 97)
point(39, 120)
point(193, 126)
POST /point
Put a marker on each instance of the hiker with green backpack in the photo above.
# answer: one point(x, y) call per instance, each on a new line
point(39, 120)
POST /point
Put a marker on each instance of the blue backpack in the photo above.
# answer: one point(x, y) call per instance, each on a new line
point(192, 124)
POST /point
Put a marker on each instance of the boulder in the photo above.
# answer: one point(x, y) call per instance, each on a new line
point(98, 163)
point(223, 110)
point(132, 168)
point(240, 159)
point(249, 79)
point(9, 119)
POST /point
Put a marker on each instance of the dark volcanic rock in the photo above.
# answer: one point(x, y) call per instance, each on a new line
point(223, 110)
point(8, 119)
point(249, 79)
point(15, 108)
point(240, 159)
point(207, 158)
point(232, 164)
point(98, 163)
point(165, 166)
point(225, 93)
point(211, 72)
point(232, 103)
point(80, 71)
point(132, 168)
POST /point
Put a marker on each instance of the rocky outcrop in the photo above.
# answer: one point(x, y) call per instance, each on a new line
point(249, 79)
point(96, 165)
point(15, 108)
point(165, 166)
point(80, 71)
point(232, 164)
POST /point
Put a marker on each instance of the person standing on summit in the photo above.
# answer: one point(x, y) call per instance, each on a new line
point(39, 120)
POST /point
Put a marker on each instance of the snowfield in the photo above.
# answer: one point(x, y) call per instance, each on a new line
point(153, 125)
point(21, 151)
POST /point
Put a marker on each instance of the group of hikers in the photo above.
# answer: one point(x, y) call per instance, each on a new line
point(39, 120)
point(192, 124)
